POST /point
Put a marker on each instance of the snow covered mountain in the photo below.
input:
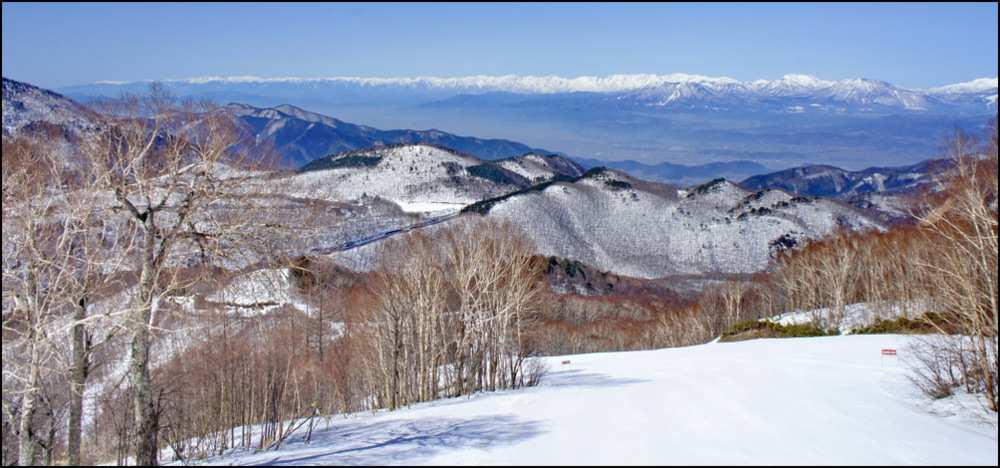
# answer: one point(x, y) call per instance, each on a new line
point(802, 93)
point(538, 167)
point(668, 88)
point(869, 92)
point(983, 90)
point(834, 182)
point(605, 219)
point(26, 106)
point(302, 136)
point(615, 222)
point(421, 176)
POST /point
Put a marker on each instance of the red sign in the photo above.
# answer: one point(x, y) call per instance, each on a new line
point(566, 362)
point(888, 352)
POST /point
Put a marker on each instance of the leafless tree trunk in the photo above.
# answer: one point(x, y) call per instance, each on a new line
point(50, 229)
point(78, 378)
point(497, 285)
point(963, 271)
point(450, 309)
point(184, 176)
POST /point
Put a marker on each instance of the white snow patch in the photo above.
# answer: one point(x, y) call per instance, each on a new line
point(430, 207)
point(255, 288)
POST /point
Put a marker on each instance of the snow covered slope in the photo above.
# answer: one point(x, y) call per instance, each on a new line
point(26, 105)
point(631, 227)
point(792, 401)
point(406, 174)
point(540, 167)
point(976, 92)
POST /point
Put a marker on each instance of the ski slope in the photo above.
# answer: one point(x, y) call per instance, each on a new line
point(793, 401)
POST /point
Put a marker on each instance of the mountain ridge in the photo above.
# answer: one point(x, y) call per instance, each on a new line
point(660, 230)
point(603, 217)
point(795, 120)
point(543, 84)
point(834, 182)
point(26, 105)
point(303, 136)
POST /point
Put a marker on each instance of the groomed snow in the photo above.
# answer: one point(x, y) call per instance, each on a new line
point(802, 401)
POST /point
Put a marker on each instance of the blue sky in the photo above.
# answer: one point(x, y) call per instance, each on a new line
point(918, 45)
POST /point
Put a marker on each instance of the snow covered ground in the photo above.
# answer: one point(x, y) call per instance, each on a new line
point(793, 401)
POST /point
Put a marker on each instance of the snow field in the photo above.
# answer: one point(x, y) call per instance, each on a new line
point(802, 401)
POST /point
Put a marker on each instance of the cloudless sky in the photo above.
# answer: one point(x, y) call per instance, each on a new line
point(917, 45)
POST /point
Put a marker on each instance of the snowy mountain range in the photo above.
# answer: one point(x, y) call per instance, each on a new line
point(669, 88)
point(685, 119)
point(802, 93)
point(603, 218)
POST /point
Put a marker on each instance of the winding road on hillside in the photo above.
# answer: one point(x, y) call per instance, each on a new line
point(384, 235)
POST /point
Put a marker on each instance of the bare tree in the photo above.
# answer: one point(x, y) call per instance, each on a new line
point(497, 285)
point(449, 310)
point(197, 192)
point(723, 305)
point(962, 222)
point(57, 250)
point(406, 332)
point(26, 257)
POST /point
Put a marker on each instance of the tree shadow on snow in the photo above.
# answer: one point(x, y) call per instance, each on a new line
point(400, 441)
point(584, 379)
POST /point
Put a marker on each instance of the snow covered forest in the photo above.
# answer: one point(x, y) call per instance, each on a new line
point(171, 296)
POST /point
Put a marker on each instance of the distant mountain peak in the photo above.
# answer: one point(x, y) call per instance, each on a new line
point(555, 84)
point(805, 81)
point(980, 85)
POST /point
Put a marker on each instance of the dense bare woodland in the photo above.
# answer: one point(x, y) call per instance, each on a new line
point(124, 249)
